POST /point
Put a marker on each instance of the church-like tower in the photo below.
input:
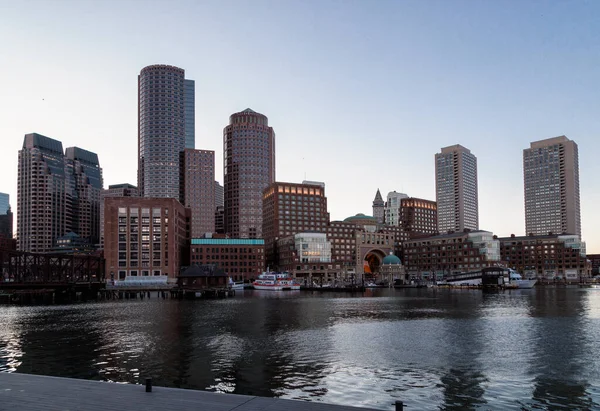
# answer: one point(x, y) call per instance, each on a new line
point(378, 207)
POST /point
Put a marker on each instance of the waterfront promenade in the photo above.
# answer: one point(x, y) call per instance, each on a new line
point(26, 392)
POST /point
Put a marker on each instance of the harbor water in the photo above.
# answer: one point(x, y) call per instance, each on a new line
point(431, 348)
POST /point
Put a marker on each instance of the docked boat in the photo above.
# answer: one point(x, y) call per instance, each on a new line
point(275, 282)
point(236, 285)
point(516, 279)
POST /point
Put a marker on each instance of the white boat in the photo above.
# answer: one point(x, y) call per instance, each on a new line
point(516, 279)
point(236, 285)
point(275, 282)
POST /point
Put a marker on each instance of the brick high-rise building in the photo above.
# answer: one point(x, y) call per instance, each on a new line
point(551, 176)
point(144, 237)
point(291, 208)
point(197, 189)
point(249, 167)
point(418, 216)
point(456, 189)
point(163, 127)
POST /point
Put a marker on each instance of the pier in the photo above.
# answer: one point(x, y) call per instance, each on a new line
point(26, 392)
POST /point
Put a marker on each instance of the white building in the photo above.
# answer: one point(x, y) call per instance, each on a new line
point(391, 211)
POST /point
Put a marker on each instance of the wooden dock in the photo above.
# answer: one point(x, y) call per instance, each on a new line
point(26, 392)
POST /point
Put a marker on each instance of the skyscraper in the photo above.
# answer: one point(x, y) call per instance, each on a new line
point(456, 189)
point(197, 189)
point(4, 203)
point(42, 211)
point(249, 167)
point(551, 177)
point(85, 185)
point(189, 97)
point(162, 126)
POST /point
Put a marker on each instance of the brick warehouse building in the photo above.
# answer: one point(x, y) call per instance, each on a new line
point(145, 237)
point(240, 258)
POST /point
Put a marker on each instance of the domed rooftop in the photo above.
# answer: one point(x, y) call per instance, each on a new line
point(391, 260)
point(360, 218)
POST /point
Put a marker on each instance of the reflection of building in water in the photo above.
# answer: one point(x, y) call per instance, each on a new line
point(561, 358)
point(546, 257)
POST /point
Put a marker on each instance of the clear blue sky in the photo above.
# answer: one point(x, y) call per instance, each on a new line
point(361, 94)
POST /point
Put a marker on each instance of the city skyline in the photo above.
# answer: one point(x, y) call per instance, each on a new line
point(331, 119)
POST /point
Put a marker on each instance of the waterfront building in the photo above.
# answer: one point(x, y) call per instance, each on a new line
point(547, 257)
point(197, 189)
point(392, 208)
point(551, 180)
point(456, 189)
point(307, 257)
point(4, 203)
point(189, 106)
point(114, 190)
point(162, 128)
point(379, 207)
point(240, 258)
point(430, 258)
point(85, 184)
point(291, 208)
point(418, 216)
point(249, 168)
point(145, 237)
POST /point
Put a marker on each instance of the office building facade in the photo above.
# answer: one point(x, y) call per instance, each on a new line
point(197, 189)
point(114, 190)
point(551, 182)
point(144, 237)
point(418, 216)
point(456, 189)
point(56, 193)
point(392, 208)
point(249, 167)
point(291, 208)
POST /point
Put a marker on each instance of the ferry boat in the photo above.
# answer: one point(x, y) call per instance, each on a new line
point(275, 282)
point(517, 280)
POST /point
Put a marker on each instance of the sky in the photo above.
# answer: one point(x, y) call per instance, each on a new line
point(361, 94)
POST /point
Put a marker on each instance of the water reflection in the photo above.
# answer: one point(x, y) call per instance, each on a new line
point(433, 349)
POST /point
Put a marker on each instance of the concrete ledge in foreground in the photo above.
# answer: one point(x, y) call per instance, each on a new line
point(26, 392)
